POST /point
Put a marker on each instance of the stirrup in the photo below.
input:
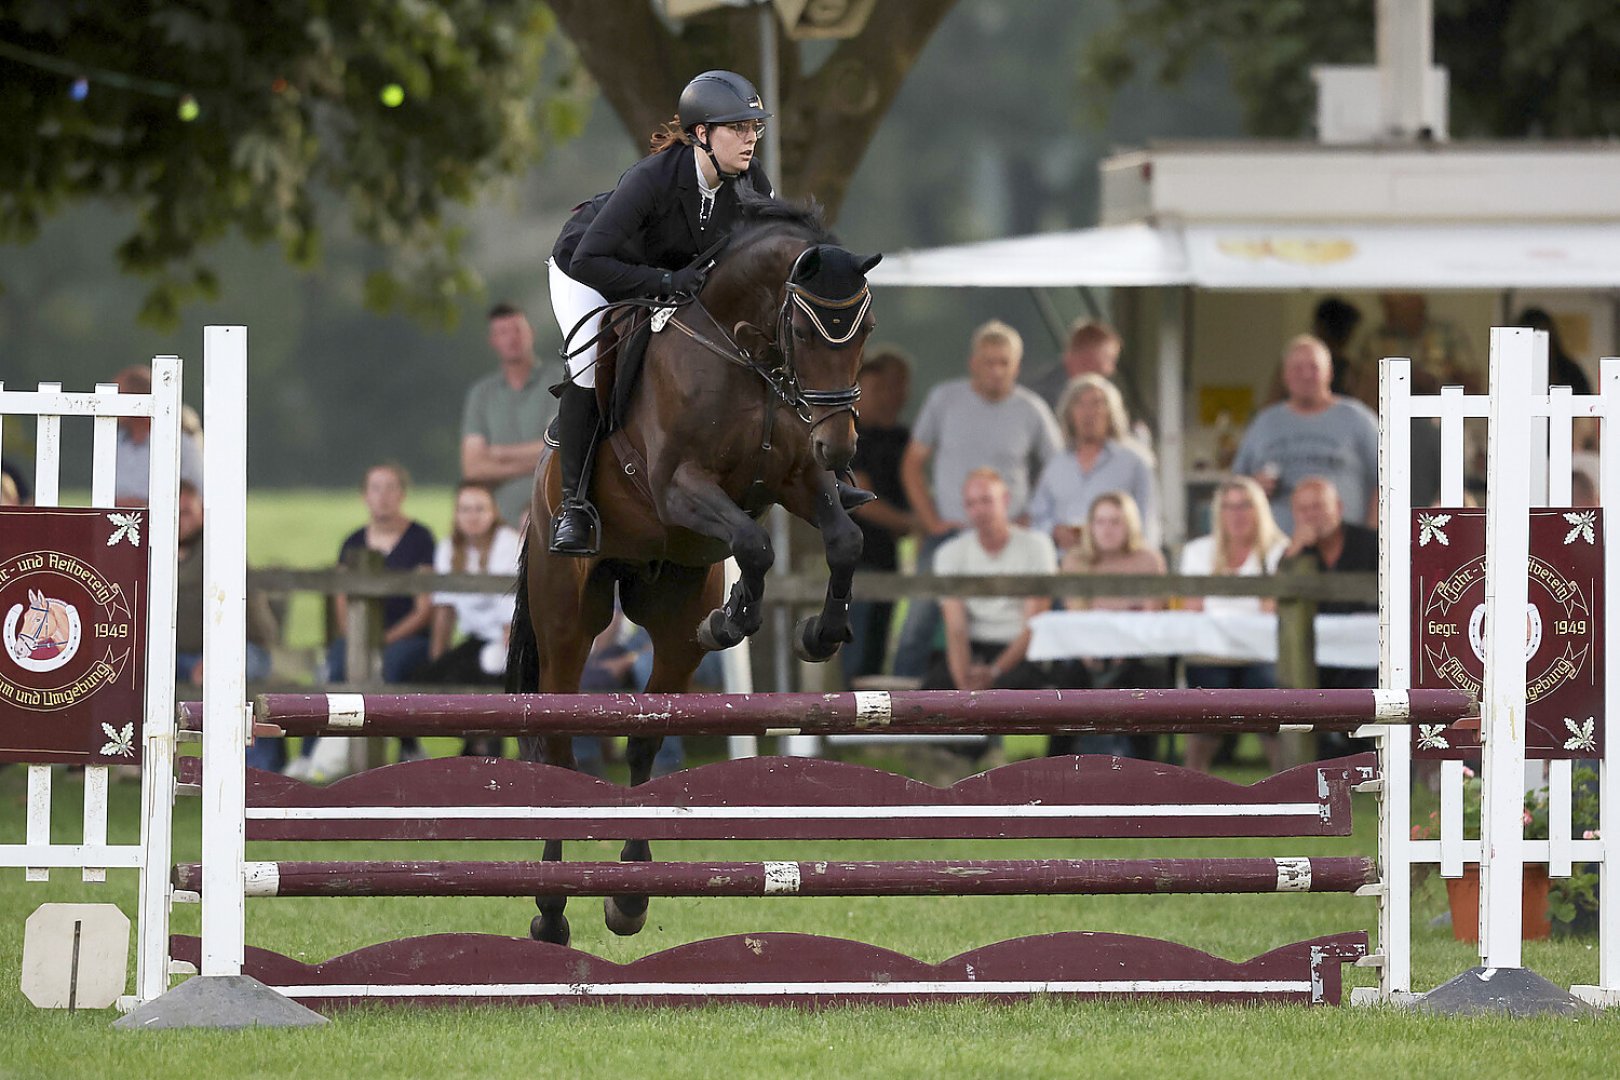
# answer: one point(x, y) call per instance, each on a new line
point(592, 543)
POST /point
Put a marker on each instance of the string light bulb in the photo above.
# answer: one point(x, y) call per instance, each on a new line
point(189, 110)
point(80, 90)
point(393, 95)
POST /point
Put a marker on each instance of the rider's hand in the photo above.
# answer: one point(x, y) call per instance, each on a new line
point(687, 280)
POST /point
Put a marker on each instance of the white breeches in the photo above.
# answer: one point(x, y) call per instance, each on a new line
point(570, 301)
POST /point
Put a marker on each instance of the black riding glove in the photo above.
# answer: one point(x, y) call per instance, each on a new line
point(687, 281)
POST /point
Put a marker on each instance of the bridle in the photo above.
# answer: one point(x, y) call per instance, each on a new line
point(775, 365)
point(44, 626)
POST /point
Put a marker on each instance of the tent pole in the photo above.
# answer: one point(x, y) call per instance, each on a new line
point(1172, 333)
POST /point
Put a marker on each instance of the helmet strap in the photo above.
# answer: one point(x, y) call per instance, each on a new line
point(703, 144)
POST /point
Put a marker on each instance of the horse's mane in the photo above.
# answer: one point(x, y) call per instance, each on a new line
point(761, 215)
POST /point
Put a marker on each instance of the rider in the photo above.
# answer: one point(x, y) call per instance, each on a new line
point(640, 240)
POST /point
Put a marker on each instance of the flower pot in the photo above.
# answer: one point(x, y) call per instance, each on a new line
point(1463, 893)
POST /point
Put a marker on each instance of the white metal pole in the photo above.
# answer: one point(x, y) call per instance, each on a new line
point(1395, 664)
point(1507, 553)
point(224, 647)
point(1607, 990)
point(157, 749)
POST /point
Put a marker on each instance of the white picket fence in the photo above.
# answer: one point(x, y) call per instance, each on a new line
point(1528, 465)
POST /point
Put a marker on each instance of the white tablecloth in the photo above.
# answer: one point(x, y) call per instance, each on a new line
point(1348, 641)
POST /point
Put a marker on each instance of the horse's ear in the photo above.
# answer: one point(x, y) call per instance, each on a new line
point(35, 598)
point(809, 264)
point(870, 261)
point(751, 338)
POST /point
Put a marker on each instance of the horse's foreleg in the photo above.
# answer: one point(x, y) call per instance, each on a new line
point(819, 637)
point(695, 502)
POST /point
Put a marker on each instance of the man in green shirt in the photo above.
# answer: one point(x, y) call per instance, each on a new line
point(504, 422)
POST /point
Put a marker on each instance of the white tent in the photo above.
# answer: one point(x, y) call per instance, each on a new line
point(1313, 257)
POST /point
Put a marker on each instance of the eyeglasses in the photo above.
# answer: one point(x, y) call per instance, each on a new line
point(744, 128)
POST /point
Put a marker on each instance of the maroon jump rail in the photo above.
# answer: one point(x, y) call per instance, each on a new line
point(908, 712)
point(985, 877)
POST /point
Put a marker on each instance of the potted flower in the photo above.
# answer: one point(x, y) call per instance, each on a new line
point(1567, 904)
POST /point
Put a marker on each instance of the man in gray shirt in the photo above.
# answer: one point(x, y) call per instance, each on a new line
point(984, 420)
point(1315, 432)
point(503, 423)
point(132, 452)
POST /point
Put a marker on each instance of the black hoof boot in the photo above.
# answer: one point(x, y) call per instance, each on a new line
point(852, 497)
point(552, 930)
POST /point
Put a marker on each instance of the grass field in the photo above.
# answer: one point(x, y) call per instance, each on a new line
point(1040, 1039)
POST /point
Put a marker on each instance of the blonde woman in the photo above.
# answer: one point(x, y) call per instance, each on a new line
point(1112, 543)
point(1103, 457)
point(1245, 543)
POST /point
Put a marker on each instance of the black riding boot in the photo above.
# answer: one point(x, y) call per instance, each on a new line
point(574, 528)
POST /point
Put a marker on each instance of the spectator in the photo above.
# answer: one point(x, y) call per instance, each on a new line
point(1583, 489)
point(133, 465)
point(1092, 416)
point(1433, 345)
point(984, 421)
point(188, 637)
point(621, 660)
point(986, 637)
point(1312, 433)
point(1112, 543)
point(1334, 322)
point(8, 491)
point(1325, 540)
point(1247, 543)
point(885, 382)
point(20, 491)
point(479, 543)
point(1093, 349)
point(503, 424)
point(404, 545)
point(1562, 368)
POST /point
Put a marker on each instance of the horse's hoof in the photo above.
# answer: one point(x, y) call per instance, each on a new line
point(621, 923)
point(807, 643)
point(540, 929)
point(717, 632)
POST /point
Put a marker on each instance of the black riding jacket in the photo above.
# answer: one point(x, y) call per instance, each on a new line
point(620, 244)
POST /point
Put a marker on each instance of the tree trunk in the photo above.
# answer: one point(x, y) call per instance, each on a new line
point(828, 116)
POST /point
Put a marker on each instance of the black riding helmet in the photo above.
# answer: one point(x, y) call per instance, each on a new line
point(718, 97)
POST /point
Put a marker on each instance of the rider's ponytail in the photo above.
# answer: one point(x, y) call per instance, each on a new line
point(668, 135)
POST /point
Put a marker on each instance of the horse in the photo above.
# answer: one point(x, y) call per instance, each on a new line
point(44, 629)
point(746, 400)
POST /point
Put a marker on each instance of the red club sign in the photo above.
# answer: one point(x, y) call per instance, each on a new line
point(1563, 639)
point(72, 635)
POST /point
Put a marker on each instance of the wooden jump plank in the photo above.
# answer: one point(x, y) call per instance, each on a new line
point(800, 970)
point(919, 712)
point(981, 877)
point(800, 798)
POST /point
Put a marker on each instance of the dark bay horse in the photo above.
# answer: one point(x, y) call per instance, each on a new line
point(746, 400)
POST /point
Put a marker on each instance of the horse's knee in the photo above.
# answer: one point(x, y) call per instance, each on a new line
point(752, 549)
point(844, 546)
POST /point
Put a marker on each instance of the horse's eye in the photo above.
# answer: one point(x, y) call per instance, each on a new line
point(800, 335)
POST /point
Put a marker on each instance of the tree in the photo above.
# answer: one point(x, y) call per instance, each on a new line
point(1518, 68)
point(213, 117)
point(827, 115)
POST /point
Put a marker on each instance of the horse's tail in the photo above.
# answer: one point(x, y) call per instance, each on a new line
point(523, 651)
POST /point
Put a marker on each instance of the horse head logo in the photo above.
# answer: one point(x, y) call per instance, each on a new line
point(45, 635)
